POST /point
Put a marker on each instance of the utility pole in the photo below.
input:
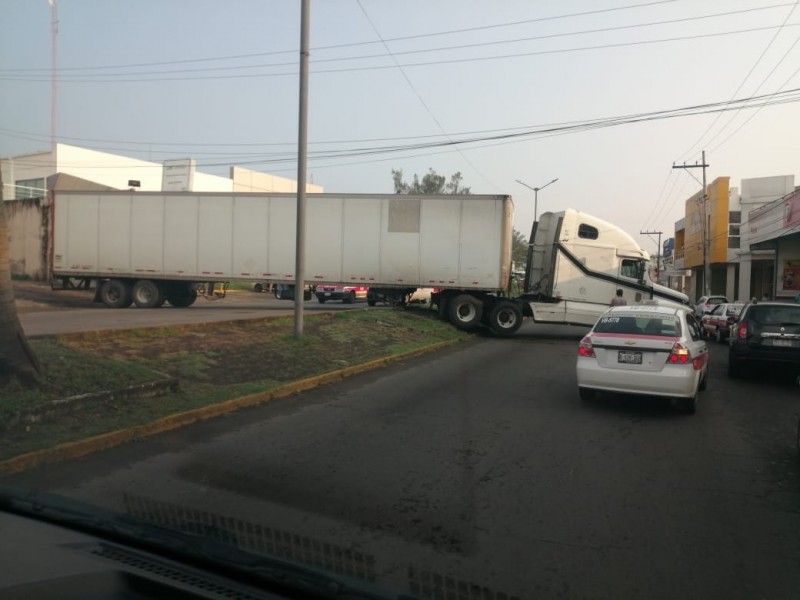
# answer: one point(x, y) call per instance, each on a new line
point(302, 154)
point(706, 223)
point(658, 251)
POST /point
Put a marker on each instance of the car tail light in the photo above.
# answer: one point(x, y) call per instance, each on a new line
point(585, 348)
point(742, 332)
point(679, 354)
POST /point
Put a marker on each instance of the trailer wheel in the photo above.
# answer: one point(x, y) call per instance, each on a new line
point(147, 294)
point(464, 311)
point(505, 318)
point(116, 293)
point(182, 299)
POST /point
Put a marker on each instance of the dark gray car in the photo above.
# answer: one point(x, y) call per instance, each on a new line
point(765, 333)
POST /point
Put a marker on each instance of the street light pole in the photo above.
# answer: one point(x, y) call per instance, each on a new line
point(536, 195)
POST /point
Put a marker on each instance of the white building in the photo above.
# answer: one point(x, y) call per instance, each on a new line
point(26, 176)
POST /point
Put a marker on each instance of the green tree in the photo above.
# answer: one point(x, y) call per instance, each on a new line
point(16, 357)
point(519, 248)
point(431, 184)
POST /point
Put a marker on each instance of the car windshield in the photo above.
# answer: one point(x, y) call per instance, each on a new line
point(312, 280)
point(641, 324)
point(775, 315)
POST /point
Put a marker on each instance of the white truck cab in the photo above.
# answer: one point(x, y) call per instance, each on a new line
point(577, 262)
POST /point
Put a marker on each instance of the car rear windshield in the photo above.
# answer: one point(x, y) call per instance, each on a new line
point(666, 325)
point(717, 300)
point(775, 315)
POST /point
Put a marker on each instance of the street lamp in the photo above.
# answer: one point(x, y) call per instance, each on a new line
point(536, 195)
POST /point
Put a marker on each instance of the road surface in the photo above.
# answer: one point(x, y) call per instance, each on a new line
point(481, 464)
point(44, 312)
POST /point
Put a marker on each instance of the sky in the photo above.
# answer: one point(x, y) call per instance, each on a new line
point(528, 90)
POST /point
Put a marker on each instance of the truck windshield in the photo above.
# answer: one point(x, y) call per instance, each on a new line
point(632, 268)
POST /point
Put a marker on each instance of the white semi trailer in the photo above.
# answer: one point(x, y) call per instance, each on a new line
point(147, 248)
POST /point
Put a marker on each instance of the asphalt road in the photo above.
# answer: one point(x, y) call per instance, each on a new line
point(480, 463)
point(44, 312)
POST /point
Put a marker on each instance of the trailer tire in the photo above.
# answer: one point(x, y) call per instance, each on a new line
point(116, 293)
point(505, 318)
point(464, 311)
point(147, 294)
point(182, 300)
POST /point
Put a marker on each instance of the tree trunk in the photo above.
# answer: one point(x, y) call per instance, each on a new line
point(16, 356)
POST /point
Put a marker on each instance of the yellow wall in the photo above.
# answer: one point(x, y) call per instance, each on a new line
point(717, 209)
point(718, 194)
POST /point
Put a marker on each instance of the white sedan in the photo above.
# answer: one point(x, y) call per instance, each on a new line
point(648, 350)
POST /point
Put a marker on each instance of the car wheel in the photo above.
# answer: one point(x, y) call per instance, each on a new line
point(586, 394)
point(688, 405)
point(321, 299)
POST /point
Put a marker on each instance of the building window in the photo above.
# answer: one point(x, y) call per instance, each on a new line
point(733, 242)
point(735, 216)
point(29, 188)
point(733, 230)
point(587, 232)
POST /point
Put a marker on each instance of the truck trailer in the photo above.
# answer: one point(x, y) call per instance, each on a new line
point(148, 248)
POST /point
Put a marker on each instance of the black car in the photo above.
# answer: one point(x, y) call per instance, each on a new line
point(765, 333)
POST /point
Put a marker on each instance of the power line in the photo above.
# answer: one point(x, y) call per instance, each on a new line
point(316, 49)
point(444, 48)
point(125, 78)
point(741, 85)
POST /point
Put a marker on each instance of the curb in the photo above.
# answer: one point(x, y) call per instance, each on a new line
point(104, 441)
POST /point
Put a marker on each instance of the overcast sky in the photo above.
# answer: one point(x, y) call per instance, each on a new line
point(217, 81)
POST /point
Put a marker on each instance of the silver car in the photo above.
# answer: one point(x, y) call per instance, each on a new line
point(648, 350)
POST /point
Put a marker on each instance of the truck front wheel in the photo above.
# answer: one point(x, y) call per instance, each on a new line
point(505, 318)
point(464, 311)
point(147, 294)
point(116, 293)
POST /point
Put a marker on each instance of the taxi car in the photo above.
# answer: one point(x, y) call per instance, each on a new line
point(646, 350)
point(719, 321)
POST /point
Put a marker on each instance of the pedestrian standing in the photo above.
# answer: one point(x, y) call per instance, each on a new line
point(618, 300)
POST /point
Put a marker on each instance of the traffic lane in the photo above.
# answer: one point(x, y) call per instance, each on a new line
point(97, 316)
point(482, 464)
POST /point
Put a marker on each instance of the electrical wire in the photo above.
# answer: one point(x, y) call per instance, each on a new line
point(126, 78)
point(357, 44)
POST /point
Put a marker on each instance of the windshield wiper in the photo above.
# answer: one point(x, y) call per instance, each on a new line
point(186, 547)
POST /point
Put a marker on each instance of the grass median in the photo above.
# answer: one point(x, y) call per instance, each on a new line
point(213, 363)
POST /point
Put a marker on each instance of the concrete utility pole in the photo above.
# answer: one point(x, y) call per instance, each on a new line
point(658, 251)
point(302, 154)
point(53, 72)
point(706, 223)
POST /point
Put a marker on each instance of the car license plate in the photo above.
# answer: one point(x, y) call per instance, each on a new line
point(629, 358)
point(327, 293)
point(787, 343)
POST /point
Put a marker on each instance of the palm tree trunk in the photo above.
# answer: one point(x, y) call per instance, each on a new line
point(16, 356)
